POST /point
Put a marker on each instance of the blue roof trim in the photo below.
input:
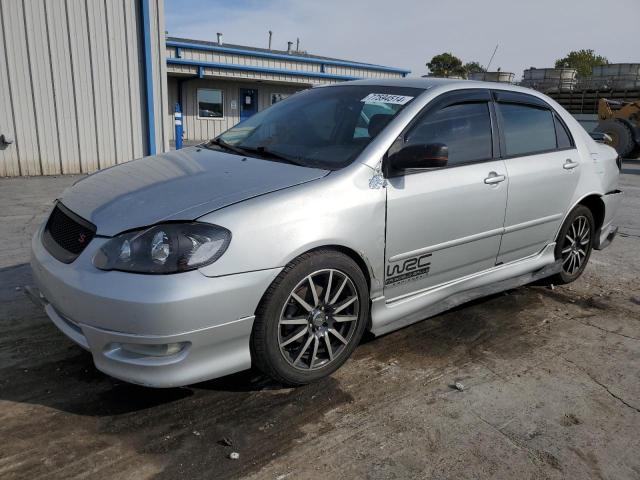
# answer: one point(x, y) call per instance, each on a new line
point(279, 71)
point(148, 77)
point(281, 56)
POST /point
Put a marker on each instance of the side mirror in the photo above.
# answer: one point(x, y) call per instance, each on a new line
point(432, 155)
point(601, 137)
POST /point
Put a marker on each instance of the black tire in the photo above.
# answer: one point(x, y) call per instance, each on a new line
point(570, 270)
point(621, 135)
point(269, 336)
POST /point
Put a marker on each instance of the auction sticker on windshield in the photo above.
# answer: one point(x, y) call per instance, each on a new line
point(386, 98)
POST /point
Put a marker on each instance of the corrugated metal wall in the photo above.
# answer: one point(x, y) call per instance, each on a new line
point(203, 129)
point(72, 89)
point(247, 74)
point(261, 62)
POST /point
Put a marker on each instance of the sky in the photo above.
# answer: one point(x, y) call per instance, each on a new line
point(407, 33)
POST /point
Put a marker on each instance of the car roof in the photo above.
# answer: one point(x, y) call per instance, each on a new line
point(428, 83)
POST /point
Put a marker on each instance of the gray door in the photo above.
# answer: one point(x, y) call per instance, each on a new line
point(446, 223)
point(543, 167)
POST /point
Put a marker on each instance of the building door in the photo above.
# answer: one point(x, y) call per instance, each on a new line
point(248, 102)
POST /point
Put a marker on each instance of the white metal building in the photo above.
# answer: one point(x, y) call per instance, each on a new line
point(82, 84)
point(218, 84)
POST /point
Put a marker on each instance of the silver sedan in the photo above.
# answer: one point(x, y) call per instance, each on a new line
point(363, 206)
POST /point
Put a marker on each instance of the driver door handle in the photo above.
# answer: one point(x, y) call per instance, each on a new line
point(494, 178)
point(569, 164)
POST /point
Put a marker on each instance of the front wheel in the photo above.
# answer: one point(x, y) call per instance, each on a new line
point(311, 318)
point(574, 244)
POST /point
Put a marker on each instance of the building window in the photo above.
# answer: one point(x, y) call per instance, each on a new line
point(210, 103)
point(278, 97)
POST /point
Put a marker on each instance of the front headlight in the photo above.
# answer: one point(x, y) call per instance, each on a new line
point(168, 248)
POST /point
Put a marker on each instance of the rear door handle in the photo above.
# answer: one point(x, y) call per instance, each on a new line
point(569, 164)
point(494, 178)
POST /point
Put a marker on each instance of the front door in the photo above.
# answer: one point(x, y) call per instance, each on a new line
point(543, 167)
point(248, 102)
point(446, 223)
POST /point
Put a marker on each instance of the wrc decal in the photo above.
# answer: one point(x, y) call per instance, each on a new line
point(409, 269)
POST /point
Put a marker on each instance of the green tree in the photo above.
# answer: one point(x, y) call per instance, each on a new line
point(445, 65)
point(473, 67)
point(582, 60)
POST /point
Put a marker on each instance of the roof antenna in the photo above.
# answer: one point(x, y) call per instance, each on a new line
point(298, 44)
point(492, 55)
point(270, 35)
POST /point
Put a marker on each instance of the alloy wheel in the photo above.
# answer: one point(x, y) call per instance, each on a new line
point(577, 243)
point(318, 319)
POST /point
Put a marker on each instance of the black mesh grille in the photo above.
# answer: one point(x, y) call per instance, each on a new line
point(66, 235)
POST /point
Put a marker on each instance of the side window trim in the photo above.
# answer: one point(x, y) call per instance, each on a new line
point(559, 122)
point(496, 138)
point(454, 97)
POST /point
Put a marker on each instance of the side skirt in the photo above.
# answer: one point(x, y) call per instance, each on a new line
point(398, 313)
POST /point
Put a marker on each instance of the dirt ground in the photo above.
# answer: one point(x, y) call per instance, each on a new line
point(551, 376)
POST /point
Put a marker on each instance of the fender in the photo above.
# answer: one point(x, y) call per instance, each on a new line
point(574, 205)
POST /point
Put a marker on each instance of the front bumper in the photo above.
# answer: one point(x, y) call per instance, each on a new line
point(210, 319)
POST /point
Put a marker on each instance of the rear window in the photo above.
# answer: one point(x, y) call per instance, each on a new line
point(527, 129)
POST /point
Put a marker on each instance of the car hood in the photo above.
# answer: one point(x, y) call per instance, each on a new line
point(178, 185)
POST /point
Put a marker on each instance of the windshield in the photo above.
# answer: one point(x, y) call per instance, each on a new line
point(324, 127)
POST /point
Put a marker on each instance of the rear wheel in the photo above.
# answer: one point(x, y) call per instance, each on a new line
point(311, 318)
point(574, 244)
point(621, 136)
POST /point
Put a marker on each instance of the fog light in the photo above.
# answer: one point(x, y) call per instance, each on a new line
point(150, 350)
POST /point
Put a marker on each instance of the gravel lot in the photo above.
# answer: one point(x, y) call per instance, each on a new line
point(551, 376)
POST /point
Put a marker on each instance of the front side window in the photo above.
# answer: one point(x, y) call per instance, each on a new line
point(324, 127)
point(210, 103)
point(526, 129)
point(464, 128)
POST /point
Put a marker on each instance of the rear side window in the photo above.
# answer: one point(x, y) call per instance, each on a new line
point(465, 128)
point(562, 135)
point(527, 129)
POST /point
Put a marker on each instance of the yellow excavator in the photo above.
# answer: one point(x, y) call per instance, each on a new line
point(621, 122)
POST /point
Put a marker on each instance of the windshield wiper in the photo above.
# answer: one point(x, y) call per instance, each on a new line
point(261, 151)
point(264, 153)
point(227, 146)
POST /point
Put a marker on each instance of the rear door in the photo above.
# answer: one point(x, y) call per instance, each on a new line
point(446, 223)
point(543, 167)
